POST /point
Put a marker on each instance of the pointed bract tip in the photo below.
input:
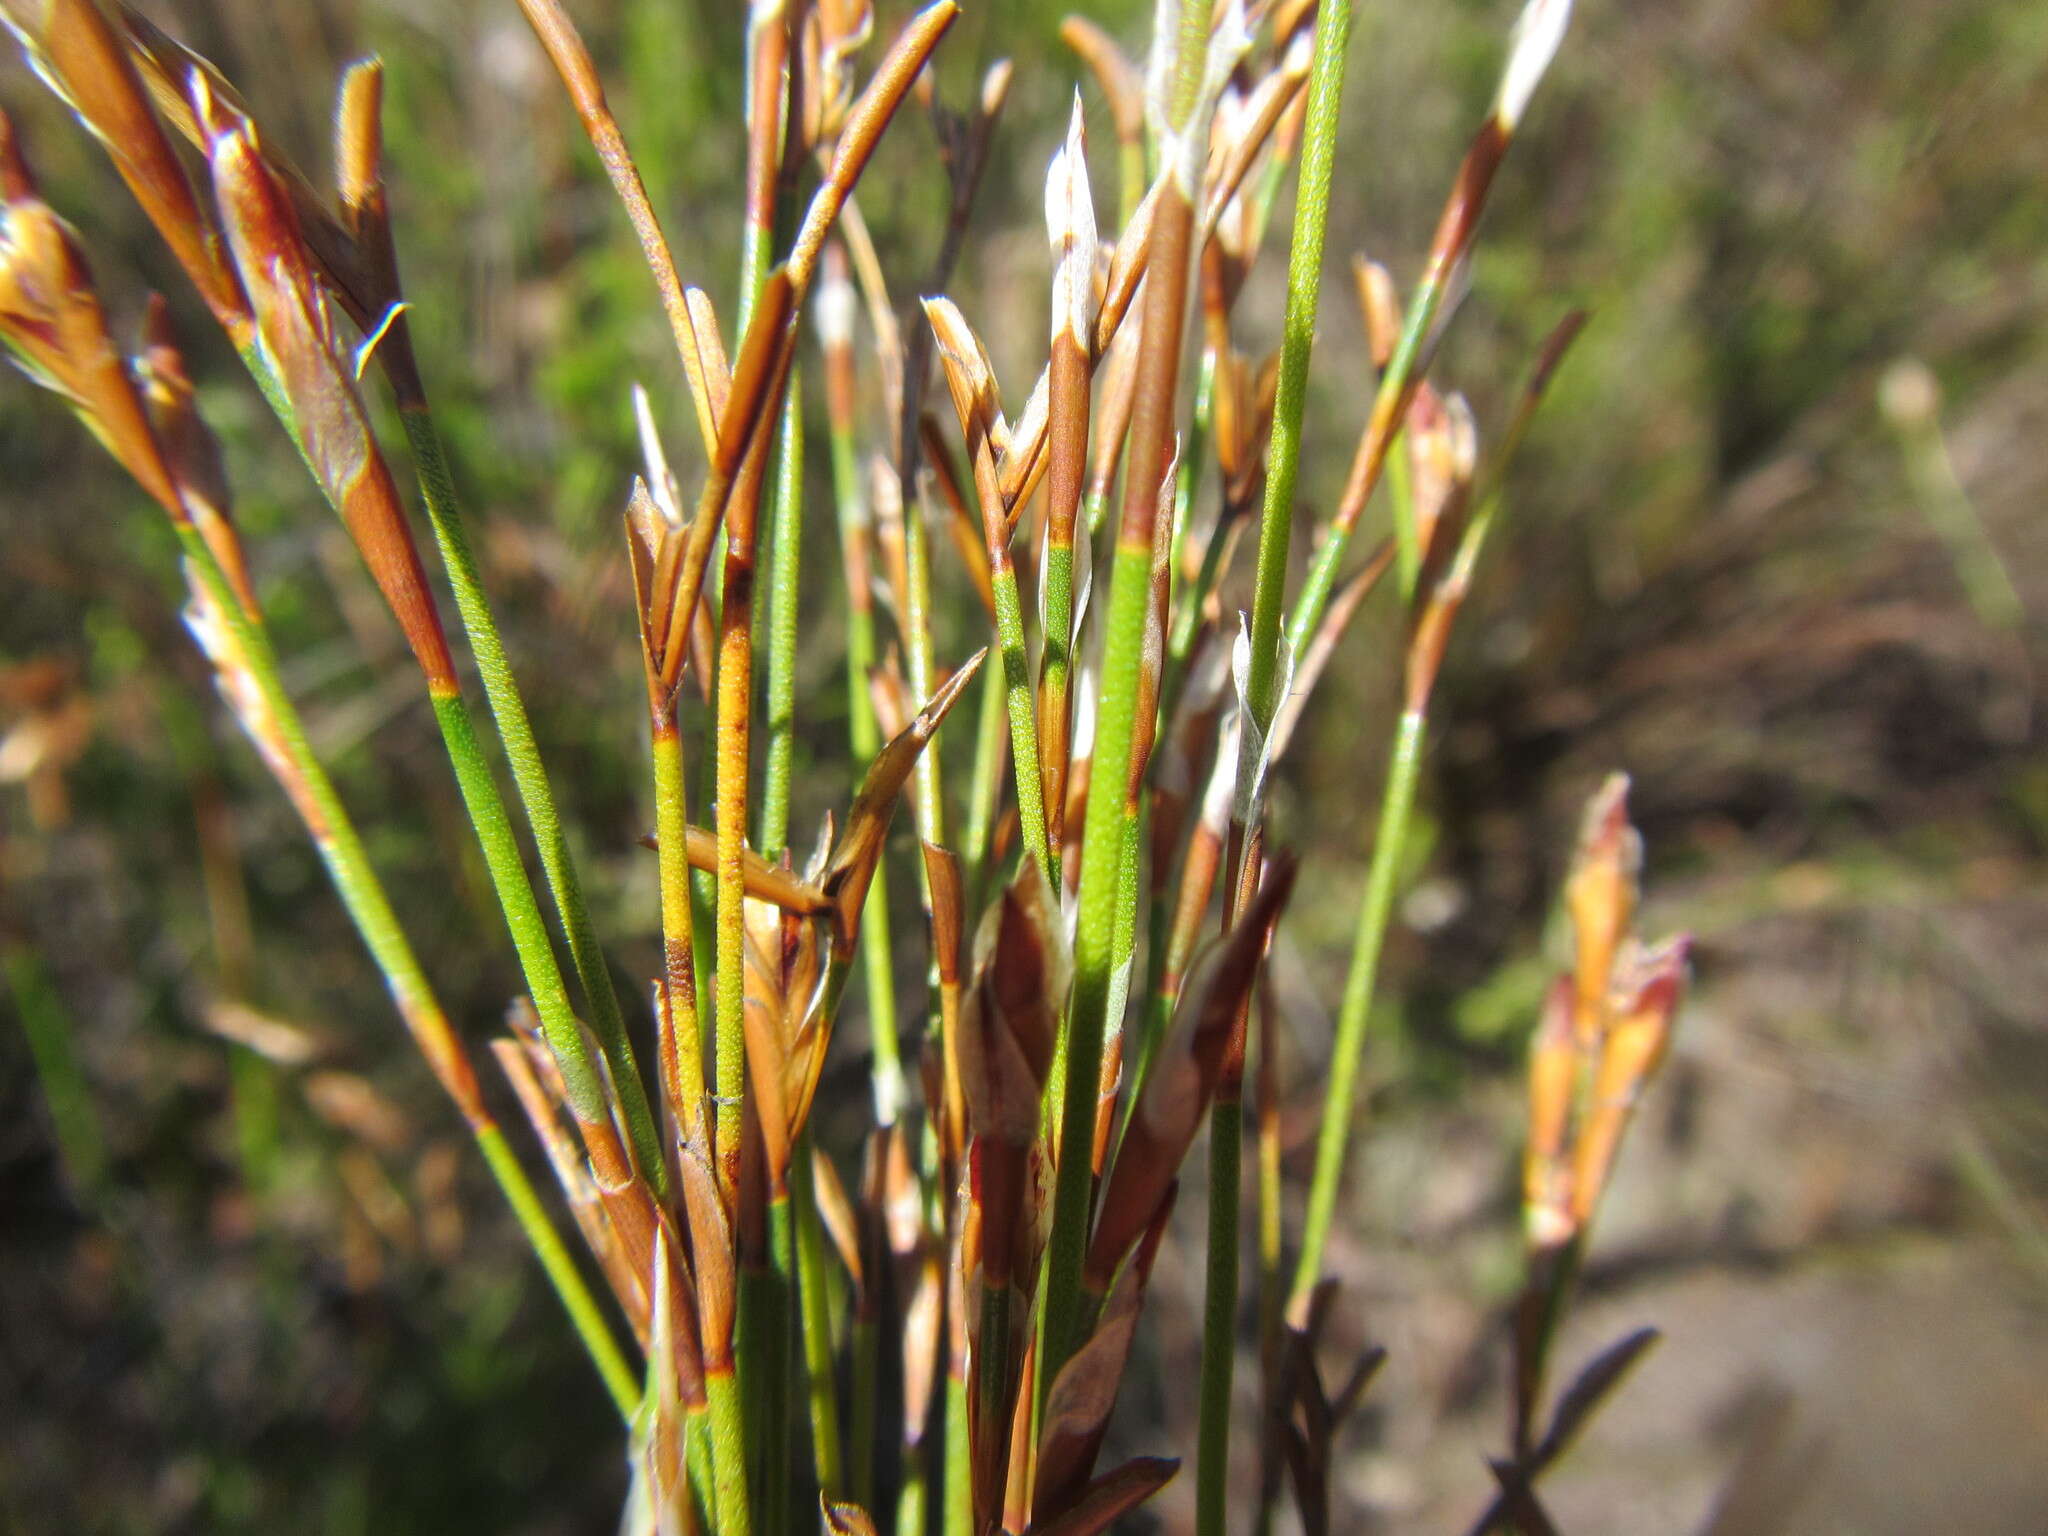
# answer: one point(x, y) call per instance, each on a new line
point(660, 479)
point(1539, 31)
point(995, 87)
point(1071, 227)
point(359, 131)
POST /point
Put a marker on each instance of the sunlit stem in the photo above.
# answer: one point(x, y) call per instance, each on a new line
point(530, 780)
point(348, 866)
point(1382, 881)
point(784, 563)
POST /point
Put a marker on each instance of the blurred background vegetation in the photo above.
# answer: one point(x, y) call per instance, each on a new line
point(1776, 550)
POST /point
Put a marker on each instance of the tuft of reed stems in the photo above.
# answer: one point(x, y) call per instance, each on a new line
point(1017, 1185)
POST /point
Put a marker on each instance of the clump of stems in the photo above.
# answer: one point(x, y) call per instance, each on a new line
point(1023, 1168)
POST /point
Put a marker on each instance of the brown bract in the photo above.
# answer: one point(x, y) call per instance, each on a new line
point(1176, 1096)
point(296, 330)
point(51, 317)
point(84, 55)
point(1021, 974)
point(189, 447)
point(1601, 895)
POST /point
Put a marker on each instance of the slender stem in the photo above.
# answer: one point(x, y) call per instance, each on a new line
point(1389, 409)
point(913, 1497)
point(1055, 668)
point(920, 667)
point(1304, 279)
point(530, 780)
point(728, 1452)
point(985, 787)
point(700, 1460)
point(1077, 1069)
point(992, 1392)
point(735, 720)
point(877, 968)
point(1187, 621)
point(514, 891)
point(1219, 1317)
point(1095, 510)
point(856, 543)
point(814, 1286)
point(1270, 1278)
point(683, 1050)
point(1276, 521)
point(959, 1492)
point(1193, 452)
point(481, 800)
point(1334, 1134)
point(561, 1270)
point(355, 880)
point(867, 1375)
point(765, 1362)
point(1023, 713)
point(784, 563)
point(1123, 954)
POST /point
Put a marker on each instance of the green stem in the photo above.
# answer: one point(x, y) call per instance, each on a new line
point(1266, 1135)
point(785, 562)
point(1187, 621)
point(486, 809)
point(1078, 1067)
point(1219, 1317)
point(728, 1453)
point(1262, 687)
point(1298, 334)
point(992, 1362)
point(698, 1458)
point(1193, 450)
point(678, 920)
point(560, 1268)
point(867, 1374)
point(1077, 1070)
point(959, 1493)
point(920, 666)
point(1159, 1005)
point(877, 957)
point(1056, 653)
point(765, 1366)
point(1123, 956)
point(1023, 712)
point(1095, 511)
point(1334, 1134)
point(1395, 388)
point(348, 866)
point(984, 788)
point(514, 891)
point(530, 780)
point(814, 1286)
point(915, 1494)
